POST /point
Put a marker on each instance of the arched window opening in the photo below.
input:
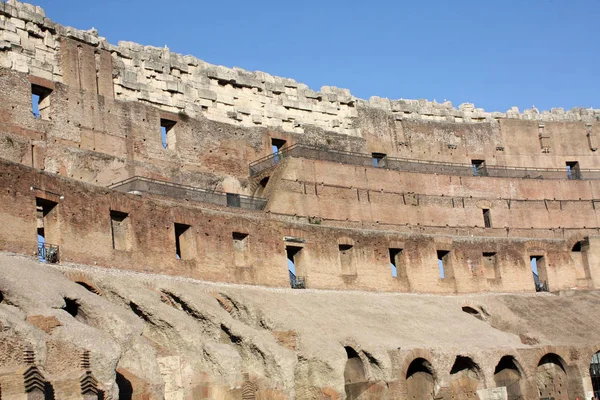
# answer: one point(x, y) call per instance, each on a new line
point(420, 381)
point(464, 378)
point(552, 377)
point(507, 374)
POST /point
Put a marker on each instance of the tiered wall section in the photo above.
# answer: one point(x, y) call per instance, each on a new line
point(378, 196)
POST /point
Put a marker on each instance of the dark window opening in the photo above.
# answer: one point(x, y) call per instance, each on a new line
point(396, 263)
point(276, 147)
point(47, 229)
point(183, 241)
point(487, 218)
point(264, 181)
point(167, 133)
point(119, 224)
point(573, 171)
point(71, 306)
point(538, 267)
point(479, 168)
point(294, 254)
point(443, 257)
point(595, 374)
point(233, 200)
point(347, 259)
point(580, 246)
point(40, 101)
point(378, 159)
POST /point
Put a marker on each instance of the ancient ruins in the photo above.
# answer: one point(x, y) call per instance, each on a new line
point(172, 229)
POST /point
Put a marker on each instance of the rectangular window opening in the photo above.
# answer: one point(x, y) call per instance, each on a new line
point(538, 268)
point(276, 147)
point(479, 168)
point(119, 224)
point(347, 259)
point(47, 226)
point(573, 170)
point(184, 245)
point(233, 200)
point(378, 159)
point(296, 274)
point(167, 133)
point(443, 258)
point(40, 102)
point(240, 247)
point(487, 218)
point(490, 265)
point(396, 263)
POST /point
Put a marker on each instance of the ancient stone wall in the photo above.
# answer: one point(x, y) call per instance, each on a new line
point(178, 237)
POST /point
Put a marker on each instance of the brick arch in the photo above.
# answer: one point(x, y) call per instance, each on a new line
point(415, 354)
point(578, 237)
point(346, 240)
point(506, 377)
point(419, 376)
point(552, 377)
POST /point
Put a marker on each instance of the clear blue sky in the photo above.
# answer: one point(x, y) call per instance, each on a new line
point(495, 54)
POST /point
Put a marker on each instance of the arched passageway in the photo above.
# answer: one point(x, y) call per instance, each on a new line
point(354, 375)
point(507, 374)
point(420, 381)
point(464, 379)
point(125, 387)
point(552, 377)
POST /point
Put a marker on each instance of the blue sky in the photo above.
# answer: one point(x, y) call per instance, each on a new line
point(494, 54)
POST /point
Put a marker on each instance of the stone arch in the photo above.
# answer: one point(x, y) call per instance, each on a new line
point(420, 380)
point(354, 374)
point(354, 371)
point(508, 373)
point(551, 377)
point(465, 377)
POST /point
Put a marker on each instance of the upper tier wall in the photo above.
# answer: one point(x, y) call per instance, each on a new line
point(29, 42)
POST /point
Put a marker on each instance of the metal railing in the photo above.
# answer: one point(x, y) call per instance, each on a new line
point(296, 282)
point(176, 190)
point(48, 253)
point(411, 165)
point(541, 286)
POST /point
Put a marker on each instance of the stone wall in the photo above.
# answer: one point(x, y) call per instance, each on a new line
point(144, 233)
point(31, 43)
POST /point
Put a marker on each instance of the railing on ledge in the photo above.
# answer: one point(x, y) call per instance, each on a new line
point(169, 189)
point(48, 253)
point(541, 286)
point(296, 282)
point(409, 165)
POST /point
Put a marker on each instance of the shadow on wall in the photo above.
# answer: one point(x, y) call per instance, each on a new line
point(125, 388)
